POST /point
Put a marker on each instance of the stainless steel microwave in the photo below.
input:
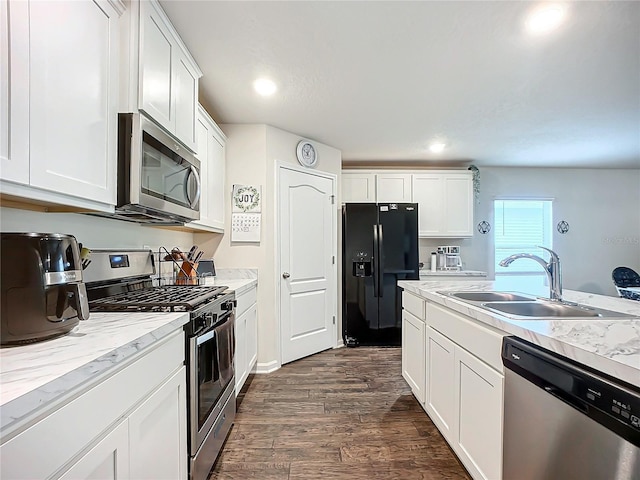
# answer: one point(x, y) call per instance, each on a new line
point(158, 178)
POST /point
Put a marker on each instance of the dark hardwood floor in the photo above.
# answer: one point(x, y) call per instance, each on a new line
point(340, 414)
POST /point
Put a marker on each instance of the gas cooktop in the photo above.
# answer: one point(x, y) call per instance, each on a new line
point(169, 298)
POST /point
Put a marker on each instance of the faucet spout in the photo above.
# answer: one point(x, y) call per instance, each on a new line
point(551, 268)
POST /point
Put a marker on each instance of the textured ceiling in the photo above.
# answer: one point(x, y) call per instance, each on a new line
point(380, 80)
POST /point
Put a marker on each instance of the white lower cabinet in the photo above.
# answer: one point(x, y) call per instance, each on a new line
point(479, 409)
point(440, 382)
point(413, 354)
point(157, 433)
point(463, 383)
point(246, 353)
point(130, 425)
point(108, 460)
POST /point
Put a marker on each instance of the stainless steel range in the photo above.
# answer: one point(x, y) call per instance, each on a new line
point(121, 280)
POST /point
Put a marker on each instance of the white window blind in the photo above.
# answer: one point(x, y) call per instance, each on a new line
point(521, 226)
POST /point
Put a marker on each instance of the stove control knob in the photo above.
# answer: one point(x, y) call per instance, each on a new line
point(200, 323)
point(228, 306)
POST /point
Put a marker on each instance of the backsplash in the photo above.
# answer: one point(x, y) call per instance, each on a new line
point(93, 232)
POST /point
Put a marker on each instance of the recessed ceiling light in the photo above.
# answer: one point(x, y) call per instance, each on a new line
point(264, 87)
point(545, 18)
point(437, 147)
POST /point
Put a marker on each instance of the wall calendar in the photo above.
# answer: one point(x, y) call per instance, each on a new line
point(246, 213)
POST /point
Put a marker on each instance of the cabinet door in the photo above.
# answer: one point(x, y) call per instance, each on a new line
point(109, 459)
point(413, 359)
point(157, 54)
point(393, 187)
point(204, 139)
point(73, 97)
point(479, 415)
point(358, 187)
point(252, 337)
point(186, 101)
point(440, 382)
point(240, 357)
point(158, 432)
point(211, 151)
point(14, 92)
point(216, 183)
point(458, 203)
point(428, 193)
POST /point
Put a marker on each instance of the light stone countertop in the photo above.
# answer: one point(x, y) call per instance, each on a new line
point(452, 273)
point(610, 346)
point(237, 279)
point(36, 379)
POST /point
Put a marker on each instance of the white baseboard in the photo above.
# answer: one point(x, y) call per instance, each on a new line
point(268, 367)
point(339, 344)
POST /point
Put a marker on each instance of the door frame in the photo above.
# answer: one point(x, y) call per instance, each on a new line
point(280, 166)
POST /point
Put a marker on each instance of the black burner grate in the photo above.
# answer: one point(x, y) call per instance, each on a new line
point(170, 298)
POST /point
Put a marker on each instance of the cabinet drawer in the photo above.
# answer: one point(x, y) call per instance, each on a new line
point(245, 300)
point(484, 342)
point(413, 304)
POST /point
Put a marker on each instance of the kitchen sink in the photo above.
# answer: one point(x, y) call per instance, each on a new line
point(489, 296)
point(541, 310)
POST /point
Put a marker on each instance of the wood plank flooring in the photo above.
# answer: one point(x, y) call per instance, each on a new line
point(339, 414)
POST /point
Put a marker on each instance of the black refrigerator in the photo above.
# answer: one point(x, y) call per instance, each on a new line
point(379, 247)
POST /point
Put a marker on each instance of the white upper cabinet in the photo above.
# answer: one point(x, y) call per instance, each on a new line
point(445, 203)
point(14, 93)
point(168, 75)
point(60, 100)
point(444, 197)
point(211, 153)
point(393, 187)
point(358, 187)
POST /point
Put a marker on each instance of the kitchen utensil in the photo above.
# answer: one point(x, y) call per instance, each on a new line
point(192, 253)
point(198, 256)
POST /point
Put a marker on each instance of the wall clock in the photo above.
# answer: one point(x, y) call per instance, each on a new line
point(306, 153)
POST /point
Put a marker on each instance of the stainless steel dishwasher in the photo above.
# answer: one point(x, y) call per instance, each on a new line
point(564, 421)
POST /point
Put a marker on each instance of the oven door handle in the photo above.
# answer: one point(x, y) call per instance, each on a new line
point(206, 337)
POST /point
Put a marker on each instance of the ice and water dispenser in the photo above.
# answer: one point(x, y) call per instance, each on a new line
point(362, 266)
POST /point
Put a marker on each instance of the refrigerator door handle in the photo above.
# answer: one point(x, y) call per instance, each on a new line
point(374, 260)
point(380, 271)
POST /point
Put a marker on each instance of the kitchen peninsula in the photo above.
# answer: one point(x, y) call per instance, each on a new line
point(452, 359)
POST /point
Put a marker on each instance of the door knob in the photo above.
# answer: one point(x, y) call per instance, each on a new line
point(285, 275)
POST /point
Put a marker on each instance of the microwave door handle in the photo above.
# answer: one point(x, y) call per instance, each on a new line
point(195, 174)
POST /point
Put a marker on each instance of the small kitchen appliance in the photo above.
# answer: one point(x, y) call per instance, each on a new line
point(122, 281)
point(158, 178)
point(42, 292)
point(449, 258)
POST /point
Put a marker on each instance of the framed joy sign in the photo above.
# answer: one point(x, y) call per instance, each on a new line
point(245, 213)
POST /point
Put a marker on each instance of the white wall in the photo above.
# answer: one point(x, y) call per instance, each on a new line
point(93, 232)
point(253, 153)
point(601, 206)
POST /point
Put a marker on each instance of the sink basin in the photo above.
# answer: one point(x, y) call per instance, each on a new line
point(537, 310)
point(489, 296)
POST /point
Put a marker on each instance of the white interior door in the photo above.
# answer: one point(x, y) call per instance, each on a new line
point(307, 267)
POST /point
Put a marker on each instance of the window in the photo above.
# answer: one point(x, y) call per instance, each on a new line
point(520, 227)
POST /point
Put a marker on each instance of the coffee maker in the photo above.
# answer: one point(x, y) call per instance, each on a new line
point(449, 258)
point(42, 293)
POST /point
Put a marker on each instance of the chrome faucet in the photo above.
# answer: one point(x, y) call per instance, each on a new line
point(552, 269)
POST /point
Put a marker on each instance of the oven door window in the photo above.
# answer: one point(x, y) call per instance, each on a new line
point(165, 174)
point(209, 386)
